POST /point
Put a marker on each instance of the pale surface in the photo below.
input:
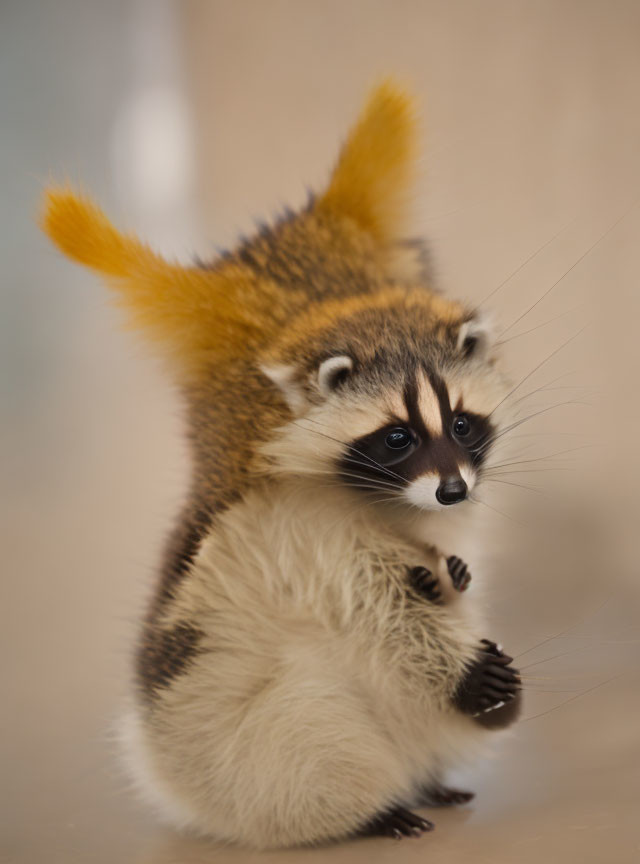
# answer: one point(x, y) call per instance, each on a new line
point(533, 126)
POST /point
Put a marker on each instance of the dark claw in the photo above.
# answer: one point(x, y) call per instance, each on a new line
point(500, 691)
point(425, 583)
point(492, 647)
point(496, 695)
point(503, 672)
point(502, 679)
point(496, 650)
point(397, 823)
point(459, 572)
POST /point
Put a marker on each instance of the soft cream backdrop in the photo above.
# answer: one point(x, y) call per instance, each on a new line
point(189, 119)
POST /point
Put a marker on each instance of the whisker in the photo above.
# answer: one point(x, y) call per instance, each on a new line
point(524, 264)
point(338, 471)
point(563, 633)
point(548, 388)
point(554, 677)
point(542, 458)
point(519, 485)
point(492, 473)
point(552, 690)
point(572, 699)
point(350, 447)
point(537, 327)
point(535, 414)
point(387, 484)
point(318, 423)
point(372, 487)
point(558, 378)
point(375, 464)
point(554, 434)
point(555, 657)
point(374, 483)
point(600, 641)
point(495, 510)
point(539, 366)
point(590, 390)
point(573, 266)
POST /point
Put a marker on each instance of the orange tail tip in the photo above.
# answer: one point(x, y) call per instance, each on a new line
point(373, 176)
point(80, 229)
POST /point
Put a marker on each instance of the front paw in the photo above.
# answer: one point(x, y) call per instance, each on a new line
point(489, 683)
point(459, 572)
point(425, 583)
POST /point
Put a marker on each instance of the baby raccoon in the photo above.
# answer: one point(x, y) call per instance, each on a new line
point(303, 674)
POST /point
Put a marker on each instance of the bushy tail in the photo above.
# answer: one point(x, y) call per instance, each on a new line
point(372, 180)
point(81, 230)
point(201, 316)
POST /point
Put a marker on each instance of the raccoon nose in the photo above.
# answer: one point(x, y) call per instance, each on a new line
point(451, 490)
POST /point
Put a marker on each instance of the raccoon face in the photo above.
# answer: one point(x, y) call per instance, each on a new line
point(430, 450)
point(405, 419)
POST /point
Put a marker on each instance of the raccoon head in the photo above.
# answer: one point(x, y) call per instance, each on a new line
point(400, 401)
point(385, 386)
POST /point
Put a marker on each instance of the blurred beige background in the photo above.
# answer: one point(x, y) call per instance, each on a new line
point(187, 120)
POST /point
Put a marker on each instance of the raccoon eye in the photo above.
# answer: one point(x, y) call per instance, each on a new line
point(461, 426)
point(398, 439)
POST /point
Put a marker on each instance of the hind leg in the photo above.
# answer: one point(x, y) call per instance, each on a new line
point(300, 762)
point(339, 775)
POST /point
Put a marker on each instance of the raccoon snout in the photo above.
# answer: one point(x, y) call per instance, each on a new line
point(451, 491)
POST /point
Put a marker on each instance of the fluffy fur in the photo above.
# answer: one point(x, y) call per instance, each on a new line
point(291, 684)
point(322, 691)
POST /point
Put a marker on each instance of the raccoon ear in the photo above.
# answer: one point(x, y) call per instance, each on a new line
point(372, 178)
point(332, 372)
point(475, 336)
point(287, 381)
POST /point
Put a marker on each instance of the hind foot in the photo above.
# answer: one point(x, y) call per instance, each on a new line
point(443, 796)
point(397, 823)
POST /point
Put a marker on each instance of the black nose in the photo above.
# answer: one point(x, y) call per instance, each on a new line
point(451, 491)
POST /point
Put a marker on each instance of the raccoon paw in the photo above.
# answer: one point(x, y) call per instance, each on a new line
point(437, 795)
point(425, 583)
point(397, 823)
point(489, 683)
point(459, 572)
